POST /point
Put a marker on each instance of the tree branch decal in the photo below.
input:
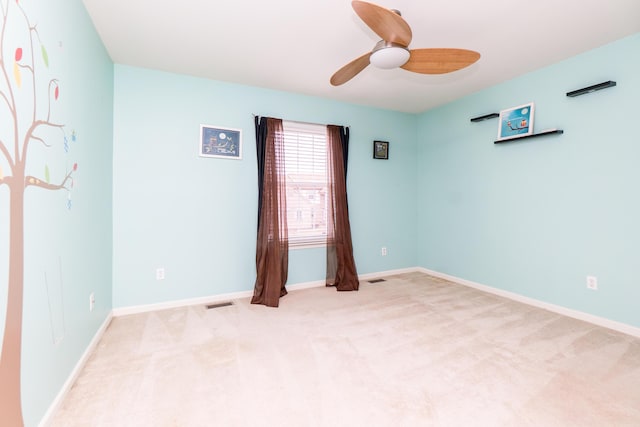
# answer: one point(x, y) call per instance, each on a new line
point(23, 71)
point(29, 135)
point(32, 180)
point(6, 153)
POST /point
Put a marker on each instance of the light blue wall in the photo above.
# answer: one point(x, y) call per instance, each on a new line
point(67, 251)
point(535, 217)
point(530, 217)
point(196, 217)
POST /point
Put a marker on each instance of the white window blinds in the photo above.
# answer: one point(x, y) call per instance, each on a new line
point(306, 175)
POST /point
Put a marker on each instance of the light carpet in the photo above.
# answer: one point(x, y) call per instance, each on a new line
point(411, 351)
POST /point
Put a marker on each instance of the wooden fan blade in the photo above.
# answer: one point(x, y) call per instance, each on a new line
point(350, 70)
point(439, 61)
point(384, 22)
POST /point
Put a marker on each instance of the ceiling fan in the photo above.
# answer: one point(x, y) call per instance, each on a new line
point(392, 51)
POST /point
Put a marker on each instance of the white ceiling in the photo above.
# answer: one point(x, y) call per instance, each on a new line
point(296, 45)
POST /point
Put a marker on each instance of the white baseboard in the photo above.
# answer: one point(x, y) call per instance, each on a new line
point(53, 408)
point(305, 285)
point(380, 274)
point(212, 299)
point(596, 320)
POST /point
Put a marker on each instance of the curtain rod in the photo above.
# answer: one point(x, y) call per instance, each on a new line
point(300, 122)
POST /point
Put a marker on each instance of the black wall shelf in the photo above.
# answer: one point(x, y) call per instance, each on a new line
point(590, 89)
point(533, 135)
point(485, 117)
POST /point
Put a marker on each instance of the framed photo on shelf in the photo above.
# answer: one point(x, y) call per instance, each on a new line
point(381, 150)
point(516, 122)
point(224, 143)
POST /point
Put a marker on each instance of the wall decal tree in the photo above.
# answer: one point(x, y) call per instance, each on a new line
point(29, 116)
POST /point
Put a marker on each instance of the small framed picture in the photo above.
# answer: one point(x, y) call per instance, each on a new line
point(224, 143)
point(516, 122)
point(380, 150)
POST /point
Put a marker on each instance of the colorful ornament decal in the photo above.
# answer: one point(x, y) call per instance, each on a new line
point(16, 74)
point(45, 57)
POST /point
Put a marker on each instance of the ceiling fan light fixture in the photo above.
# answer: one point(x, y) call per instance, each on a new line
point(389, 55)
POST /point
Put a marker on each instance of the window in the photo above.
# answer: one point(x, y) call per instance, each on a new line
point(306, 174)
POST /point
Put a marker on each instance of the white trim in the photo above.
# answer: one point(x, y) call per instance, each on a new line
point(380, 274)
point(596, 320)
point(306, 285)
point(361, 277)
point(600, 321)
point(73, 376)
point(212, 299)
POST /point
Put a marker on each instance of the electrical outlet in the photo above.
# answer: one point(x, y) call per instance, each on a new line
point(92, 301)
point(160, 273)
point(384, 251)
point(592, 283)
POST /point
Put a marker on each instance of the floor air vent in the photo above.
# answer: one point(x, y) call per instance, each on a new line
point(377, 280)
point(218, 305)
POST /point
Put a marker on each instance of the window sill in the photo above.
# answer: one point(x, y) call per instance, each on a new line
point(306, 245)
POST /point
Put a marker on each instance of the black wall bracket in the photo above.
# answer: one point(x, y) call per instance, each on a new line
point(590, 89)
point(533, 135)
point(485, 117)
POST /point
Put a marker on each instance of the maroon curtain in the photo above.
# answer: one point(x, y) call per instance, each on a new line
point(272, 248)
point(341, 267)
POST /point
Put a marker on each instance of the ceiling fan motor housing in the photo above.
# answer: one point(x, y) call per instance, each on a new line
point(388, 55)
